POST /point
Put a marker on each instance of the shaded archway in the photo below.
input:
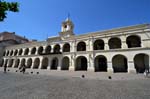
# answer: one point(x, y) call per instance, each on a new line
point(7, 53)
point(81, 46)
point(17, 62)
point(16, 52)
point(1, 62)
point(29, 63)
point(133, 41)
point(141, 62)
point(66, 47)
point(119, 63)
point(48, 49)
point(99, 45)
point(26, 52)
point(4, 53)
point(100, 63)
point(65, 63)
point(20, 52)
point(6, 62)
point(40, 50)
point(23, 62)
point(10, 62)
point(54, 63)
point(57, 48)
point(44, 63)
point(33, 50)
point(11, 53)
point(114, 43)
point(81, 63)
point(36, 63)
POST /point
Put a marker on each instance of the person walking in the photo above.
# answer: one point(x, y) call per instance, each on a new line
point(5, 68)
point(23, 69)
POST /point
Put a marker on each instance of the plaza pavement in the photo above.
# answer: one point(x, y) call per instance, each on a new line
point(50, 84)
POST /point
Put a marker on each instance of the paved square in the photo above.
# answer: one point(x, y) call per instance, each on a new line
point(27, 86)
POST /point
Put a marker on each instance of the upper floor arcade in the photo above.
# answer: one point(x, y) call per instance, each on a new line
point(133, 37)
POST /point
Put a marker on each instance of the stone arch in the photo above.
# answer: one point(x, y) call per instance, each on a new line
point(114, 43)
point(48, 49)
point(1, 62)
point(23, 61)
point(119, 63)
point(4, 53)
point(133, 41)
point(33, 51)
point(81, 46)
point(65, 63)
point(6, 62)
point(98, 45)
point(40, 50)
point(11, 52)
point(20, 52)
point(54, 63)
point(36, 63)
point(7, 53)
point(57, 48)
point(141, 62)
point(16, 52)
point(26, 52)
point(66, 47)
point(44, 63)
point(29, 63)
point(17, 62)
point(100, 63)
point(81, 63)
point(10, 62)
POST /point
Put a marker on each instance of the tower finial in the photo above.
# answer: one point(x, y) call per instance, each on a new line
point(68, 15)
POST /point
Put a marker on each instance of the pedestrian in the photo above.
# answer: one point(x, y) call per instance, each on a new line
point(23, 69)
point(5, 68)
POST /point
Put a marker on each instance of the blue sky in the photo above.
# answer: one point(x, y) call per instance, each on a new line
point(38, 19)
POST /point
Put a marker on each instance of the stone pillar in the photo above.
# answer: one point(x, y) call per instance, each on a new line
point(110, 67)
point(123, 42)
point(91, 63)
point(72, 66)
point(131, 67)
point(106, 46)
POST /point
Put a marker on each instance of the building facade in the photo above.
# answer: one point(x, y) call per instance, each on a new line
point(125, 49)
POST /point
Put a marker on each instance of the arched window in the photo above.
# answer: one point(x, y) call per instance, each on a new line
point(81, 46)
point(16, 52)
point(26, 52)
point(81, 63)
point(29, 63)
point(40, 50)
point(44, 63)
point(11, 53)
point(65, 63)
point(66, 47)
point(48, 49)
point(54, 64)
point(120, 63)
point(141, 62)
point(100, 64)
point(99, 45)
point(20, 52)
point(36, 63)
point(57, 48)
point(33, 50)
point(114, 43)
point(133, 41)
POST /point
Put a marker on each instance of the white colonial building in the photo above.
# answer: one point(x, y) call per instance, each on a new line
point(125, 49)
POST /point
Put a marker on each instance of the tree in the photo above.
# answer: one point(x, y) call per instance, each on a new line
point(7, 6)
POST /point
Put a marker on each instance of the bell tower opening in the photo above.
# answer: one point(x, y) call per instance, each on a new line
point(67, 28)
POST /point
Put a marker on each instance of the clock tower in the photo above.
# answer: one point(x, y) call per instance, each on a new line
point(67, 29)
